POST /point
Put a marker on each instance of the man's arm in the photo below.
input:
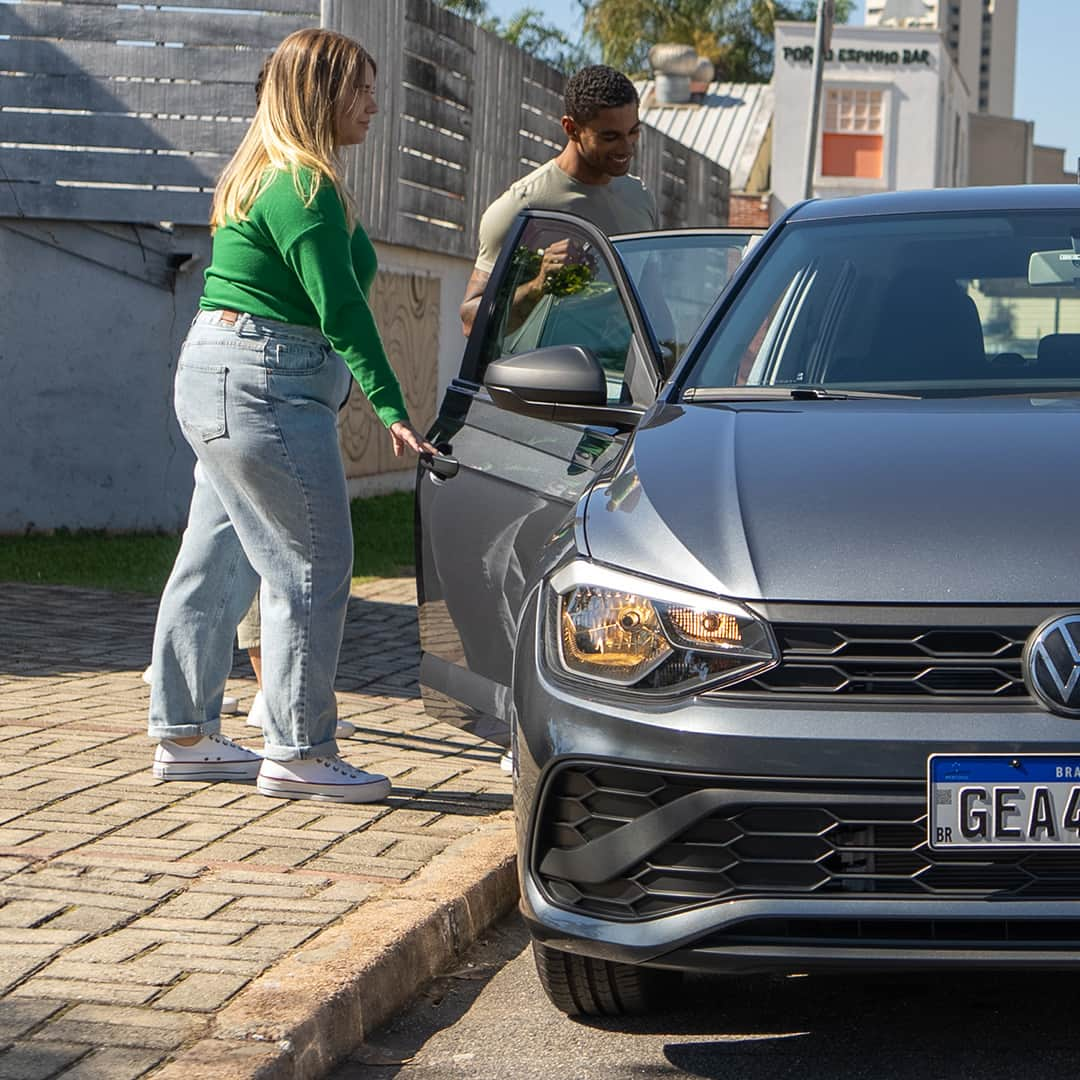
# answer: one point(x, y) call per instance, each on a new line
point(474, 293)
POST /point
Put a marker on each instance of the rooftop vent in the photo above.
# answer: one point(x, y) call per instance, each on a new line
point(673, 67)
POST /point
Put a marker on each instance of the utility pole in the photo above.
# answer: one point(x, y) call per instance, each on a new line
point(826, 13)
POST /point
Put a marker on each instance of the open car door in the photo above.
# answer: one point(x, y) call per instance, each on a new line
point(510, 481)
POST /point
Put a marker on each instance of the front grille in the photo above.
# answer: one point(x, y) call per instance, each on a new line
point(977, 663)
point(719, 839)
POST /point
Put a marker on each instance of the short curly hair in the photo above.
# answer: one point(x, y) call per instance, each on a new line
point(595, 88)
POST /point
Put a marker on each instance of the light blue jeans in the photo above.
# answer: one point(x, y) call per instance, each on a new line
point(258, 402)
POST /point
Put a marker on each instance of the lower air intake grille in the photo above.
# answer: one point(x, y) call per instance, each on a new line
point(715, 840)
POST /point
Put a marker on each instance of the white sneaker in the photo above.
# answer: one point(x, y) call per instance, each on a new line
point(327, 779)
point(229, 705)
point(506, 762)
point(213, 757)
point(256, 717)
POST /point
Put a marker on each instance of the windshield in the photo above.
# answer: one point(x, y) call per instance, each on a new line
point(679, 277)
point(922, 304)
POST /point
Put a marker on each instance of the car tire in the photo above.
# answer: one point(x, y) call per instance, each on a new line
point(584, 986)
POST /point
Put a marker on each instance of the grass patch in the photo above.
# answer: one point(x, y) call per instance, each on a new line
point(140, 562)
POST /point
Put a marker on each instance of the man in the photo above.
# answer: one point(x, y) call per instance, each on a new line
point(590, 178)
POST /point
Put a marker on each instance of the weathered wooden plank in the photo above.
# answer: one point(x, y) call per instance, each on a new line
point(441, 114)
point(431, 204)
point(103, 204)
point(371, 168)
point(409, 232)
point(427, 76)
point(536, 149)
point(537, 130)
point(550, 103)
point(86, 23)
point(48, 166)
point(118, 96)
point(441, 21)
point(123, 132)
point(421, 171)
point(297, 7)
point(438, 49)
point(434, 143)
point(219, 63)
point(536, 71)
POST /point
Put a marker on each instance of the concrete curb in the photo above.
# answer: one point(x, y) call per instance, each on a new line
point(311, 1010)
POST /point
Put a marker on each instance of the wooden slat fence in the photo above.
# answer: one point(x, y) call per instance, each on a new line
point(466, 114)
point(127, 114)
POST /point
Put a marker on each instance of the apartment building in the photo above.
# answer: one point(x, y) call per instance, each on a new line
point(980, 35)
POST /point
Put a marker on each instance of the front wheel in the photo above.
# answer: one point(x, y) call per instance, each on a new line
point(584, 986)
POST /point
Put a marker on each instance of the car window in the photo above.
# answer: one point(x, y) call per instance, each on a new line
point(935, 304)
point(678, 277)
point(576, 304)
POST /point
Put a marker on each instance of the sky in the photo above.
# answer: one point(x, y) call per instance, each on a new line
point(1048, 36)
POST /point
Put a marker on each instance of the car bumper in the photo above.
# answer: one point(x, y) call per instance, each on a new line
point(810, 760)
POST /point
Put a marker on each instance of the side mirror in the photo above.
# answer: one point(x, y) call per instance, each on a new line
point(560, 382)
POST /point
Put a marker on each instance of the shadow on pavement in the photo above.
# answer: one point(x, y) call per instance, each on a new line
point(443, 1002)
point(51, 630)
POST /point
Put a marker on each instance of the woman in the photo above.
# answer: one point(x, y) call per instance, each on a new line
point(283, 321)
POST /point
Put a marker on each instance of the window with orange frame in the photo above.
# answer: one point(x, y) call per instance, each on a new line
point(852, 140)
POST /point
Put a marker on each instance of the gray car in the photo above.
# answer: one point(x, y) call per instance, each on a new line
point(782, 614)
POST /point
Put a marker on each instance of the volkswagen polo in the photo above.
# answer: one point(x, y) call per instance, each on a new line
point(767, 570)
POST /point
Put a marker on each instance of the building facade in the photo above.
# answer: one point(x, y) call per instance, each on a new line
point(980, 35)
point(894, 113)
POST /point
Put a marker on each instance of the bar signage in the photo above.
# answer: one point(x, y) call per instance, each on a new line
point(799, 54)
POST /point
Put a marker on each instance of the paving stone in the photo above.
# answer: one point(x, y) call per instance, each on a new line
point(134, 908)
point(19, 1017)
point(275, 938)
point(88, 920)
point(28, 912)
point(104, 992)
point(114, 1063)
point(38, 1060)
point(201, 992)
point(192, 906)
point(143, 971)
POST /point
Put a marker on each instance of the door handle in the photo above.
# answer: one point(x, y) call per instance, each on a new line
point(440, 465)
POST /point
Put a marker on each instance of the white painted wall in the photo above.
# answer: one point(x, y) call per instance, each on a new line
point(90, 327)
point(921, 103)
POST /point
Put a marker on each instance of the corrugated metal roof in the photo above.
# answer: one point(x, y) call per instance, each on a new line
point(727, 127)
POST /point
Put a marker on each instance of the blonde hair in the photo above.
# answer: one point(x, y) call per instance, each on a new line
point(298, 96)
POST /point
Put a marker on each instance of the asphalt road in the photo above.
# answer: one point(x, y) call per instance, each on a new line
point(489, 1020)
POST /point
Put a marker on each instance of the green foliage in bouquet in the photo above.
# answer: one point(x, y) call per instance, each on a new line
point(566, 281)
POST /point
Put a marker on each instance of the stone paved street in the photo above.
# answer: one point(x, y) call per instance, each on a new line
point(131, 910)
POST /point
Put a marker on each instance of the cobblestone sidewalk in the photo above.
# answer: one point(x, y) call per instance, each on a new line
point(132, 910)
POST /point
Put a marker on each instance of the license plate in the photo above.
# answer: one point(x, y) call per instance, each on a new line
point(1004, 801)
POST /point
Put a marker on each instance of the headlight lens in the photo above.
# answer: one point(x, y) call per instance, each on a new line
point(610, 627)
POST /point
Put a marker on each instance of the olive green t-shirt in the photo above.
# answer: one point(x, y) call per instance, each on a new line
point(622, 205)
point(301, 264)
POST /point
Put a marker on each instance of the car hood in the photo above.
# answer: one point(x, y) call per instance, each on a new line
point(879, 501)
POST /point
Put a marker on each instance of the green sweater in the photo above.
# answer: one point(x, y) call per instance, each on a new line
point(298, 264)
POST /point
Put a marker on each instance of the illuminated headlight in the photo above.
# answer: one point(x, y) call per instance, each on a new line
point(608, 626)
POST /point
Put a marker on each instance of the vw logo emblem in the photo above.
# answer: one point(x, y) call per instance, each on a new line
point(1052, 665)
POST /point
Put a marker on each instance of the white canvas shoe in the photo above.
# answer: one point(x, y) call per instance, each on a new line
point(229, 705)
point(213, 757)
point(256, 717)
point(327, 779)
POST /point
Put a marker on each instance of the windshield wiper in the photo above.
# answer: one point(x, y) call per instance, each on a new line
point(784, 393)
